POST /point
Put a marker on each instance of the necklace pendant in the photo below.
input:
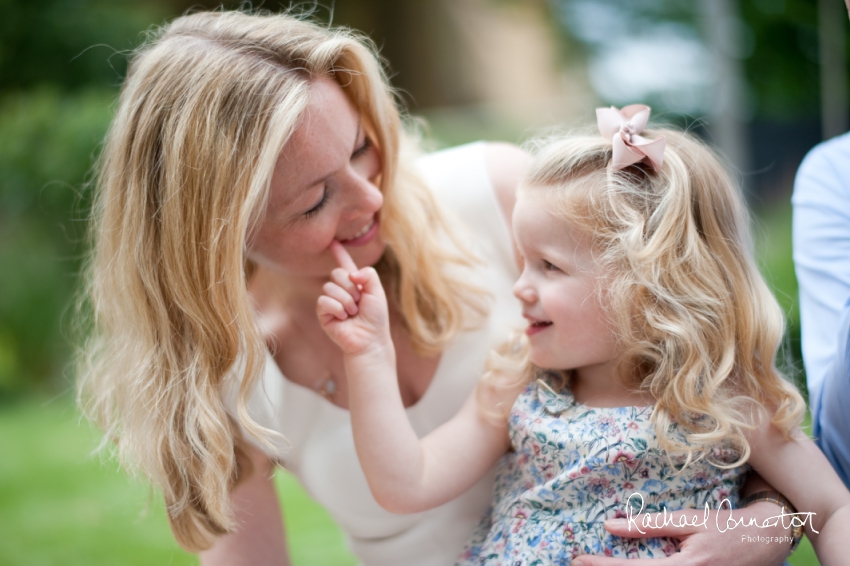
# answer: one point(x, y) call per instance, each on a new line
point(327, 388)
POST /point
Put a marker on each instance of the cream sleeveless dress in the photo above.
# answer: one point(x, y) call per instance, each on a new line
point(321, 449)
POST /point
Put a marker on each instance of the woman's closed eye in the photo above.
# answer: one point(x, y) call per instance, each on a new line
point(360, 151)
point(319, 205)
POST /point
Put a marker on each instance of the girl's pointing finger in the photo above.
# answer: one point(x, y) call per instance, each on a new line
point(342, 258)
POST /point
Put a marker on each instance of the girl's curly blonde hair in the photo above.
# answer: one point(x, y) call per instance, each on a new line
point(697, 325)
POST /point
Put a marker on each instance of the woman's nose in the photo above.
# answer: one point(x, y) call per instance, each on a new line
point(365, 198)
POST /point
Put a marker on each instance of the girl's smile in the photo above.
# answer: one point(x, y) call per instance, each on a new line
point(535, 326)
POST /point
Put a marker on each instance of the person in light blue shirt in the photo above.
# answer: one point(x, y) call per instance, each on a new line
point(822, 259)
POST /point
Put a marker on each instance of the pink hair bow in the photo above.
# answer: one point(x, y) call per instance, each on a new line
point(623, 126)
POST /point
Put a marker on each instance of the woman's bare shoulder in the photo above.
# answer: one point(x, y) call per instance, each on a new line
point(507, 165)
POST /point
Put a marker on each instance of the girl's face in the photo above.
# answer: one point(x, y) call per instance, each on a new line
point(324, 188)
point(558, 288)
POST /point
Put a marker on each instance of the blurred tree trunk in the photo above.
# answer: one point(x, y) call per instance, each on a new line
point(728, 118)
point(422, 43)
point(832, 28)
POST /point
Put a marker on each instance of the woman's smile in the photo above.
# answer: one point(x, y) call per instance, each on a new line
point(364, 235)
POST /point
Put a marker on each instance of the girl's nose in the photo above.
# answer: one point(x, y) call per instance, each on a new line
point(524, 291)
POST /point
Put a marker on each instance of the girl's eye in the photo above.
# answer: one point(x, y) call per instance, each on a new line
point(319, 206)
point(548, 266)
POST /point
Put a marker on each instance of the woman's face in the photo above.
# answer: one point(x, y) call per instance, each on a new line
point(324, 188)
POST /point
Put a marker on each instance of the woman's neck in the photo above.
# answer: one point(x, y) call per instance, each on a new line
point(292, 293)
point(291, 304)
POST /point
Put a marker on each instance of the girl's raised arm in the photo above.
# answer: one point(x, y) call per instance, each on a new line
point(405, 474)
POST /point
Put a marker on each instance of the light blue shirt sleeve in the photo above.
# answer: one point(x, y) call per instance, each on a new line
point(822, 255)
point(832, 423)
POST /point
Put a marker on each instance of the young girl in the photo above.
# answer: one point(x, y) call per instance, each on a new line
point(644, 381)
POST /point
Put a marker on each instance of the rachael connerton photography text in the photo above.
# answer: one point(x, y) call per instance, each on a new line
point(659, 521)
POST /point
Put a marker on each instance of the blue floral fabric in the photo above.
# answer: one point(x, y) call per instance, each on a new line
point(572, 467)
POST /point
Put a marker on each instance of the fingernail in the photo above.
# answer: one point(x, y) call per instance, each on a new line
point(616, 522)
point(578, 563)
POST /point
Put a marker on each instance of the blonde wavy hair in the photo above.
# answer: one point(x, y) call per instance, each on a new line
point(697, 325)
point(209, 102)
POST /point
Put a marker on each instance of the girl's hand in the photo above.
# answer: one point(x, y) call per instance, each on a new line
point(353, 309)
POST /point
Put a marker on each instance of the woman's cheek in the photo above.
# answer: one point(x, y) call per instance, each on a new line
point(373, 166)
point(321, 235)
point(368, 165)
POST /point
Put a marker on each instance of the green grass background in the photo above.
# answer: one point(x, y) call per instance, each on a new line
point(60, 505)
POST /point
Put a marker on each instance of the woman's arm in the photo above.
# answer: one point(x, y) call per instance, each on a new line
point(406, 475)
point(260, 539)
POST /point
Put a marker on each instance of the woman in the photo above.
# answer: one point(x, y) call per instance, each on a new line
point(242, 147)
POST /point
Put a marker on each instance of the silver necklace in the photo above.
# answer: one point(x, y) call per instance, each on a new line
point(326, 387)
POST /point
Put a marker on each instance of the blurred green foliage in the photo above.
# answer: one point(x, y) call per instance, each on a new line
point(782, 66)
point(61, 62)
point(69, 43)
point(48, 140)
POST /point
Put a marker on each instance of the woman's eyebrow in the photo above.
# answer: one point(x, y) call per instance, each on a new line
point(354, 148)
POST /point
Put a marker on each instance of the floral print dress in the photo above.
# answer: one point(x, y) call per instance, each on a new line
point(573, 466)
